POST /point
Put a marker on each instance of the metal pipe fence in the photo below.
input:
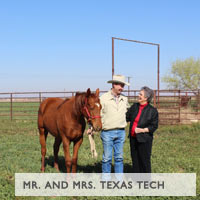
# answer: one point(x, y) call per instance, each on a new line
point(174, 106)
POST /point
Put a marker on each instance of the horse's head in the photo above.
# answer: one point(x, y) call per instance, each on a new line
point(92, 109)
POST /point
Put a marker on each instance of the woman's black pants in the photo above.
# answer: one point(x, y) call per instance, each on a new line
point(141, 155)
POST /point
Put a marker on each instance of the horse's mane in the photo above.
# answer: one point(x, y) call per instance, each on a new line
point(67, 99)
point(79, 103)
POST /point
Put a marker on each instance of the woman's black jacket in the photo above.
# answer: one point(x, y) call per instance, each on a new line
point(148, 119)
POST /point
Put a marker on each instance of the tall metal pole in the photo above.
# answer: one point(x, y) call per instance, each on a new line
point(112, 56)
point(158, 79)
point(149, 43)
point(11, 106)
point(129, 86)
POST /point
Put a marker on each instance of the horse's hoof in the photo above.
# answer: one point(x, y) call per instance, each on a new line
point(95, 155)
point(57, 168)
point(42, 170)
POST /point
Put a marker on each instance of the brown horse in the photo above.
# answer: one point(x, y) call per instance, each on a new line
point(64, 119)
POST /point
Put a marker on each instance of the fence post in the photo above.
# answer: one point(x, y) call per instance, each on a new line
point(179, 105)
point(157, 98)
point(135, 95)
point(40, 98)
point(198, 104)
point(154, 98)
point(11, 106)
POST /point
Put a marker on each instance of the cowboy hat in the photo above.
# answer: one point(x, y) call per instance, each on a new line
point(118, 79)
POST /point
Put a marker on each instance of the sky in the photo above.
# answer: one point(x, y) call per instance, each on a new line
point(66, 45)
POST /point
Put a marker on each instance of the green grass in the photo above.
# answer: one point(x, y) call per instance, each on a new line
point(20, 110)
point(175, 149)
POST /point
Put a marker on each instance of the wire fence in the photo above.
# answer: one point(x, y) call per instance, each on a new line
point(174, 106)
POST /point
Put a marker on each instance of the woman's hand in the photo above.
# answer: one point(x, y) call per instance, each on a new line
point(141, 130)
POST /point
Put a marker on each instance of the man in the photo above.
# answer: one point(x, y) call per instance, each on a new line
point(113, 113)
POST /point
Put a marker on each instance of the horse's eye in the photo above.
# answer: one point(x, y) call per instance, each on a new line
point(91, 107)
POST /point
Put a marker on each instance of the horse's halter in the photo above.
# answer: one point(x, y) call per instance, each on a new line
point(89, 116)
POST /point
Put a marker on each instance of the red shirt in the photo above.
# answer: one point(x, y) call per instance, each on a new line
point(135, 123)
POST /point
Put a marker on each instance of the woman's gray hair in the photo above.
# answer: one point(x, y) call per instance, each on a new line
point(148, 93)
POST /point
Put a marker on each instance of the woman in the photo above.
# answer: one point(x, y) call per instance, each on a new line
point(143, 120)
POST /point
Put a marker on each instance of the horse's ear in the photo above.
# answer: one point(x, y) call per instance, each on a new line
point(97, 92)
point(88, 92)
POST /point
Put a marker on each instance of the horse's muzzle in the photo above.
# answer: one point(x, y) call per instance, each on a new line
point(97, 128)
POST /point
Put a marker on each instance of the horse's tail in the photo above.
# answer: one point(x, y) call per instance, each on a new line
point(41, 112)
point(42, 107)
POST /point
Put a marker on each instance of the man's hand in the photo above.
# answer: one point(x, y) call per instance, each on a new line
point(89, 131)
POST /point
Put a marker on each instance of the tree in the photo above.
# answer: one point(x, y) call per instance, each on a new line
point(184, 75)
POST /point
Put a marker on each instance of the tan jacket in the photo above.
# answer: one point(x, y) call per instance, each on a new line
point(113, 114)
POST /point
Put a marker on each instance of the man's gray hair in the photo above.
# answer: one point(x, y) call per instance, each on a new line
point(148, 93)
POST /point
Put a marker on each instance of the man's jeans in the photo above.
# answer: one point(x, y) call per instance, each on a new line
point(113, 139)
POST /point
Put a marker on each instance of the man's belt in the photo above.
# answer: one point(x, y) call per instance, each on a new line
point(114, 129)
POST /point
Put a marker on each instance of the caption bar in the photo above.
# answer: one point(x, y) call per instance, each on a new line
point(97, 184)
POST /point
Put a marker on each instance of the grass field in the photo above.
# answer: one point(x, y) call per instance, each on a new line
point(176, 149)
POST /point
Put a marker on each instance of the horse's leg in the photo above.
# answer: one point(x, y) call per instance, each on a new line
point(43, 137)
point(56, 147)
point(77, 144)
point(66, 145)
point(92, 146)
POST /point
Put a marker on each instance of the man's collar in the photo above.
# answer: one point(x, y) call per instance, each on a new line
point(112, 96)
